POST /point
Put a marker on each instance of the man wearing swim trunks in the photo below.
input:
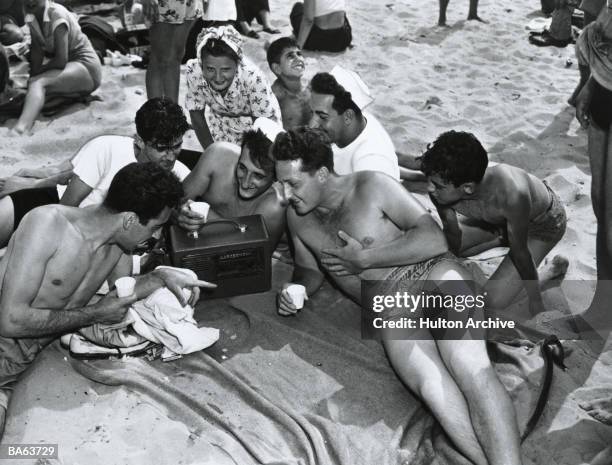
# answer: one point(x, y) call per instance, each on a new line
point(60, 256)
point(494, 201)
point(363, 226)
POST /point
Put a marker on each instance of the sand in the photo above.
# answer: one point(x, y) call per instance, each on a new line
point(483, 78)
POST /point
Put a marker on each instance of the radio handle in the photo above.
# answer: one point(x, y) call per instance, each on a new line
point(239, 226)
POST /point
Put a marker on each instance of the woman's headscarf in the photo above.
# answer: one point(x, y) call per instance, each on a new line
point(226, 34)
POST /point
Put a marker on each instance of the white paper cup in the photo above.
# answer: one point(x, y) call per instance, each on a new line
point(125, 286)
point(200, 207)
point(297, 292)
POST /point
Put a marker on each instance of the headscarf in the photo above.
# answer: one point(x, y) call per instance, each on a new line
point(226, 34)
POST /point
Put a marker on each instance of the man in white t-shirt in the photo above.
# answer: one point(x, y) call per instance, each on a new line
point(360, 143)
point(160, 126)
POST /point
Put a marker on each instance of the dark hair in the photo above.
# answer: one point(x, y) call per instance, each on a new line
point(259, 147)
point(218, 48)
point(457, 157)
point(276, 49)
point(325, 83)
point(145, 189)
point(160, 120)
point(310, 145)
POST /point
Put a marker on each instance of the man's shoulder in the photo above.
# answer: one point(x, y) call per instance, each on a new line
point(220, 154)
point(39, 221)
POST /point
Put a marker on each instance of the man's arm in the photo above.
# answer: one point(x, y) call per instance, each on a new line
point(305, 272)
point(518, 206)
point(422, 238)
point(31, 250)
point(450, 226)
point(274, 214)
point(75, 193)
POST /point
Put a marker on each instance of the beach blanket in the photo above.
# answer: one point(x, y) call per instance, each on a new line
point(273, 390)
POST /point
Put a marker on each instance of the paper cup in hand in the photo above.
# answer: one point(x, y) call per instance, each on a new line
point(297, 292)
point(125, 286)
point(200, 208)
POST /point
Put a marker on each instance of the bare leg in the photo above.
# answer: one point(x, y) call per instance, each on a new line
point(7, 220)
point(505, 283)
point(600, 409)
point(603, 458)
point(420, 367)
point(490, 407)
point(264, 16)
point(72, 79)
point(167, 50)
point(442, 15)
point(473, 13)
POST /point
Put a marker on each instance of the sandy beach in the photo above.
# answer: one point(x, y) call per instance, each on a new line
point(483, 78)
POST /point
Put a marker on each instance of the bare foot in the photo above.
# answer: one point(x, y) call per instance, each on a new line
point(15, 183)
point(555, 269)
point(443, 24)
point(600, 409)
point(477, 18)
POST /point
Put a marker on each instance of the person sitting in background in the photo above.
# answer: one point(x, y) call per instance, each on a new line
point(359, 140)
point(160, 126)
point(237, 181)
point(226, 92)
point(72, 71)
point(321, 25)
point(287, 63)
point(247, 11)
point(11, 21)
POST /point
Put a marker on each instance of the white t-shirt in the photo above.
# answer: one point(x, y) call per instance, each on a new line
point(372, 150)
point(99, 160)
point(220, 10)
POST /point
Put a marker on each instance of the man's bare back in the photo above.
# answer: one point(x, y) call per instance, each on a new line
point(501, 183)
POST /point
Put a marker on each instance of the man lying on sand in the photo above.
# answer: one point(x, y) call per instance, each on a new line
point(367, 226)
point(49, 279)
point(499, 200)
point(287, 63)
point(237, 181)
point(359, 140)
point(160, 126)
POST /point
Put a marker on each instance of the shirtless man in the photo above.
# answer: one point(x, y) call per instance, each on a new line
point(367, 226)
point(287, 63)
point(473, 13)
point(48, 279)
point(499, 200)
point(236, 181)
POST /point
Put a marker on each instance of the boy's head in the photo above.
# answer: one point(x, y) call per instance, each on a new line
point(285, 58)
point(454, 164)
